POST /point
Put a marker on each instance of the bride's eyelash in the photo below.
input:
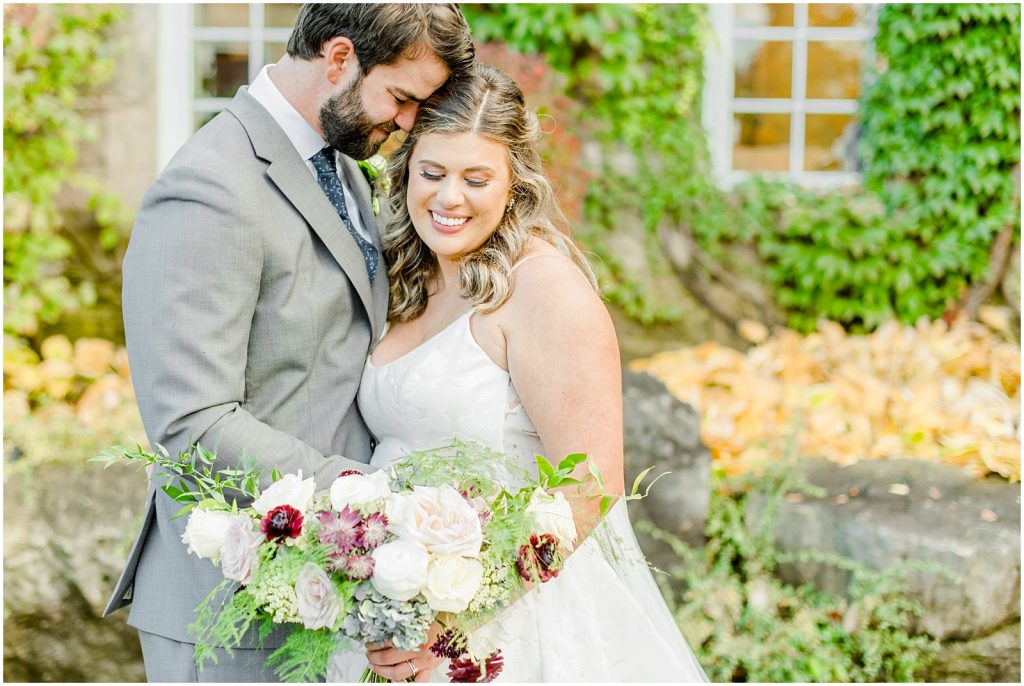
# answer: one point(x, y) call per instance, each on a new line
point(473, 183)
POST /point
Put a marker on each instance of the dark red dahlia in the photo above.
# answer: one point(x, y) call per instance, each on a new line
point(359, 566)
point(340, 530)
point(374, 530)
point(464, 670)
point(541, 559)
point(284, 521)
point(450, 643)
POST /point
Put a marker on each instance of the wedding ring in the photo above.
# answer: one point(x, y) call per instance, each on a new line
point(412, 666)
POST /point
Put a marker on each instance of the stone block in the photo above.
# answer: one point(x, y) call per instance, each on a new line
point(664, 433)
point(990, 659)
point(883, 512)
point(67, 531)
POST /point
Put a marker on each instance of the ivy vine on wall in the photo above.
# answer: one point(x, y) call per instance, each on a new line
point(637, 71)
point(940, 137)
point(54, 56)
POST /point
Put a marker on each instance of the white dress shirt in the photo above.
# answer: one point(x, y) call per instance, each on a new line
point(306, 140)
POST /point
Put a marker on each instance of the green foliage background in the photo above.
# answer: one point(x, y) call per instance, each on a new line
point(55, 57)
point(940, 125)
point(941, 134)
point(637, 70)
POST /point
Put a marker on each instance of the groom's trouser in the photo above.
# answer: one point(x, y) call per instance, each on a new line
point(168, 660)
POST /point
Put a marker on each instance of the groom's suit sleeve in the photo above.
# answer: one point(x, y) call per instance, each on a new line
point(192, 277)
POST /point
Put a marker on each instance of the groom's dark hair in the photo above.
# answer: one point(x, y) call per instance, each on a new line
point(384, 33)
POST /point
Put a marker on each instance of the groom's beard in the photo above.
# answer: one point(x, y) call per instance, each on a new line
point(346, 126)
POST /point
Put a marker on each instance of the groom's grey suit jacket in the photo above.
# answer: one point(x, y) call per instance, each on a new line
point(248, 318)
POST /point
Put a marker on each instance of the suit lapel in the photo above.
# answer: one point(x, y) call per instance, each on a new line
point(361, 188)
point(289, 173)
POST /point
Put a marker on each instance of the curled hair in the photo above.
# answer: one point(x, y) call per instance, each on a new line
point(488, 103)
point(383, 33)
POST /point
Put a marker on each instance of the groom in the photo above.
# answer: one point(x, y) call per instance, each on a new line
point(254, 287)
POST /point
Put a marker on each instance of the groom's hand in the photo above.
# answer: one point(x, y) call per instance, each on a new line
point(393, 664)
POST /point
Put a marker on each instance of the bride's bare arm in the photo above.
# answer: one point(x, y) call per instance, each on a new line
point(563, 358)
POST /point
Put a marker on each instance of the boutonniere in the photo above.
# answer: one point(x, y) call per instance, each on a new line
point(373, 169)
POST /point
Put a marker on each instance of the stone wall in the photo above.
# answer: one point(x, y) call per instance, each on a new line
point(883, 513)
point(125, 153)
point(67, 531)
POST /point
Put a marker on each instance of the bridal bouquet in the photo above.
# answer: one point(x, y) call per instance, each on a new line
point(448, 535)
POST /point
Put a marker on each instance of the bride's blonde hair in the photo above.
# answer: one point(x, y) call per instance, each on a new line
point(488, 103)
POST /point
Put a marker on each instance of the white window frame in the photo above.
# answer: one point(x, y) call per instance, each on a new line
point(720, 104)
point(177, 104)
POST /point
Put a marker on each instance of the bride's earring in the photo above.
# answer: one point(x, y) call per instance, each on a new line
point(508, 207)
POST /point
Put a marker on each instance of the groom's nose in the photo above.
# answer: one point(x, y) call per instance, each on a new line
point(406, 116)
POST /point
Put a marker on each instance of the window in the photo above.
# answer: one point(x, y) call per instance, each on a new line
point(782, 84)
point(225, 47)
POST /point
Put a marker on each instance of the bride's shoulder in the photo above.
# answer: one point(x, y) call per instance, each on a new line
point(547, 284)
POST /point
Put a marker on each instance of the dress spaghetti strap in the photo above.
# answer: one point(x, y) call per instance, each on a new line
point(542, 254)
point(526, 259)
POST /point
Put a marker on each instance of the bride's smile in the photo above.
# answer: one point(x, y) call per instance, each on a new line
point(446, 223)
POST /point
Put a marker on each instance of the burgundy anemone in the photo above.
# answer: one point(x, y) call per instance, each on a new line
point(284, 521)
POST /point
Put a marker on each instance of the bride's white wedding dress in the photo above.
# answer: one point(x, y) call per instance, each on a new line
point(603, 618)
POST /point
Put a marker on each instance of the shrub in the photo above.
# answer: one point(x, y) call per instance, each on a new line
point(745, 625)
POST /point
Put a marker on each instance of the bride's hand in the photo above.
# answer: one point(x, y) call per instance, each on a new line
point(394, 664)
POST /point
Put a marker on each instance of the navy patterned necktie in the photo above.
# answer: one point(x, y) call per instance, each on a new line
point(327, 177)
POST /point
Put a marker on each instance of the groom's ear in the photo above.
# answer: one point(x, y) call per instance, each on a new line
point(340, 57)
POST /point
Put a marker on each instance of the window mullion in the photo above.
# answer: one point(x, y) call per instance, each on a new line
point(797, 124)
point(719, 74)
point(256, 56)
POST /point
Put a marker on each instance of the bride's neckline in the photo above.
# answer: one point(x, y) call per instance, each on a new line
point(369, 360)
point(449, 325)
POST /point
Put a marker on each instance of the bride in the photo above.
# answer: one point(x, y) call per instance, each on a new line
point(498, 334)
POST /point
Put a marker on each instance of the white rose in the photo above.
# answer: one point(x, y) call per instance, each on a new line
point(356, 489)
point(290, 489)
point(316, 598)
point(399, 569)
point(439, 519)
point(452, 581)
point(205, 532)
point(238, 554)
point(553, 515)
